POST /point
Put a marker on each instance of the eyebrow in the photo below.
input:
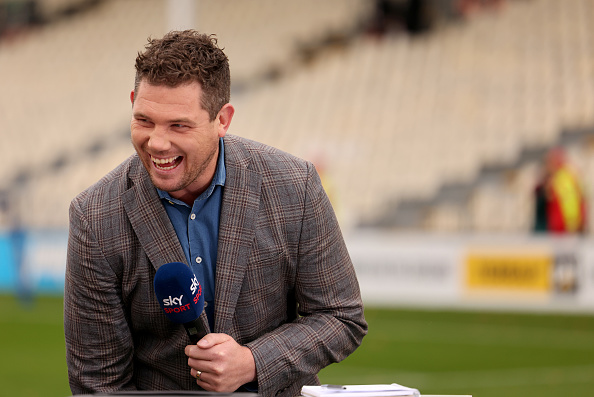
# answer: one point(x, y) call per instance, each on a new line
point(182, 120)
point(140, 115)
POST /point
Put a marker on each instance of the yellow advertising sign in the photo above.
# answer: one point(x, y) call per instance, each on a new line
point(509, 270)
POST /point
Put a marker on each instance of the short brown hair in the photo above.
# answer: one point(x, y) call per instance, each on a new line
point(183, 57)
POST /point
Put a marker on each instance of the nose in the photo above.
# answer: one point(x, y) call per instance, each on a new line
point(159, 139)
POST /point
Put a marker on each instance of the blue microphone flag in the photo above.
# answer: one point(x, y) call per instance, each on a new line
point(179, 293)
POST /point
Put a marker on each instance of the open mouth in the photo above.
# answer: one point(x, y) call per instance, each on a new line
point(166, 164)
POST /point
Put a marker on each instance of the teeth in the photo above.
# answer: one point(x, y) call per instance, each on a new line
point(159, 162)
point(164, 161)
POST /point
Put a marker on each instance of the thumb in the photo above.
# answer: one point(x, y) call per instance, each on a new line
point(211, 340)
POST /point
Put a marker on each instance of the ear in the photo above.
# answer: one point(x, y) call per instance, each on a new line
point(132, 97)
point(224, 117)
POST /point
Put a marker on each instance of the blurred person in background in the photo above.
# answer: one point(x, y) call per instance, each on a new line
point(560, 205)
point(282, 297)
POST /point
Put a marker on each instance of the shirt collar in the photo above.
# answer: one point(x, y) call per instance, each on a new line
point(219, 178)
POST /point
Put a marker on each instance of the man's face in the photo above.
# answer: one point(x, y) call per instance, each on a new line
point(174, 138)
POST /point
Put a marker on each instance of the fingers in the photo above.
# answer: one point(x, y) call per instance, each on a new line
point(210, 340)
point(202, 381)
point(209, 381)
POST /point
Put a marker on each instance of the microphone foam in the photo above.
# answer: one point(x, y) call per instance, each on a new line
point(179, 293)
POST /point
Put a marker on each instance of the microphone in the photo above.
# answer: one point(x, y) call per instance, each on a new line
point(180, 295)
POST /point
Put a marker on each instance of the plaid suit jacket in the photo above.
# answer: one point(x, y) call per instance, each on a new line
point(285, 285)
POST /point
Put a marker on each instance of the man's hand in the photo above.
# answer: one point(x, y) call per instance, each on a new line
point(223, 364)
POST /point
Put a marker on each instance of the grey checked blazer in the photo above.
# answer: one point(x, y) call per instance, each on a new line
point(285, 285)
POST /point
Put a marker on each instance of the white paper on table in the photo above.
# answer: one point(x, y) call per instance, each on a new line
point(384, 390)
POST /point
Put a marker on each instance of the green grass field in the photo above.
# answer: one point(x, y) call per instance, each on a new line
point(440, 352)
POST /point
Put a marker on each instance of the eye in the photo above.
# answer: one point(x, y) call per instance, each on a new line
point(180, 127)
point(143, 121)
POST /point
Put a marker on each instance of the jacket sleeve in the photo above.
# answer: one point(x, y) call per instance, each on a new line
point(99, 346)
point(331, 323)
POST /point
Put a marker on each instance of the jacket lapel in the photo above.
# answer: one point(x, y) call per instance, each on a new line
point(149, 219)
point(241, 200)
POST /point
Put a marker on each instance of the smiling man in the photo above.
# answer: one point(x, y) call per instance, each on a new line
point(253, 223)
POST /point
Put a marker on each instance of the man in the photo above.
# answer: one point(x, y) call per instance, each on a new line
point(254, 223)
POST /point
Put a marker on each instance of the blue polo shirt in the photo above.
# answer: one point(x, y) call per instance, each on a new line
point(197, 229)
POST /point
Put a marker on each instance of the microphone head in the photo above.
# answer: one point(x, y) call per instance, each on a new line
point(179, 293)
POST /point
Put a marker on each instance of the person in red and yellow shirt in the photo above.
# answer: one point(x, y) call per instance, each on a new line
point(560, 202)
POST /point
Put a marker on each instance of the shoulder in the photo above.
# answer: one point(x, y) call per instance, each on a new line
point(269, 161)
point(281, 178)
point(104, 192)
